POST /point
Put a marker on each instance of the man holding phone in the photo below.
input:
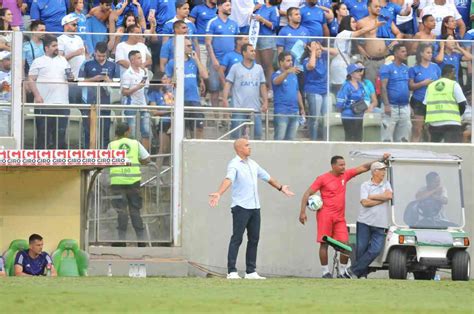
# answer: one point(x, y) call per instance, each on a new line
point(98, 70)
point(134, 82)
point(194, 72)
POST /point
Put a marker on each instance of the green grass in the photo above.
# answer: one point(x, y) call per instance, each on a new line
point(191, 295)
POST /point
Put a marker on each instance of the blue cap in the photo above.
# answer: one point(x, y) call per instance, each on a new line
point(351, 68)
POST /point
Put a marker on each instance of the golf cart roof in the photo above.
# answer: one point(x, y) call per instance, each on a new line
point(405, 154)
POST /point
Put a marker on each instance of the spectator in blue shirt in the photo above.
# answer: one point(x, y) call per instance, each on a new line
point(421, 75)
point(182, 13)
point(450, 52)
point(316, 87)
point(121, 11)
point(158, 96)
point(33, 48)
point(340, 11)
point(314, 19)
point(234, 56)
point(34, 262)
point(357, 8)
point(77, 8)
point(165, 11)
point(217, 47)
point(389, 11)
point(99, 70)
point(201, 15)
point(288, 103)
point(50, 12)
point(292, 37)
point(269, 18)
point(464, 8)
point(351, 91)
point(167, 49)
point(96, 32)
point(194, 71)
point(395, 95)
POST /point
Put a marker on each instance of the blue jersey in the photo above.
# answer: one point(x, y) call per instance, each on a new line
point(50, 12)
point(454, 59)
point(313, 19)
point(96, 32)
point(167, 50)
point(191, 79)
point(165, 11)
point(31, 51)
point(147, 5)
point(358, 9)
point(464, 8)
point(33, 266)
point(168, 27)
point(419, 73)
point(316, 80)
point(81, 22)
point(369, 90)
point(202, 14)
point(157, 97)
point(397, 85)
point(130, 8)
point(288, 36)
point(285, 95)
point(390, 12)
point(222, 45)
point(348, 95)
point(333, 28)
point(92, 68)
point(230, 59)
point(271, 14)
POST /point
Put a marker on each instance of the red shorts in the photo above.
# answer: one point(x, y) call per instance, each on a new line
point(333, 226)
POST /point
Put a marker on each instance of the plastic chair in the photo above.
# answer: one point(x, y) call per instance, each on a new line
point(69, 260)
point(10, 254)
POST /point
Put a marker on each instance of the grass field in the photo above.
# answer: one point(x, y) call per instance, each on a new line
point(191, 295)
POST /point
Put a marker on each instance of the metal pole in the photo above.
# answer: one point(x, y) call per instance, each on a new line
point(178, 135)
point(17, 78)
point(328, 95)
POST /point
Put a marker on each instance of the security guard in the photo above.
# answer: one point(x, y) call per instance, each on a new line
point(445, 103)
point(125, 183)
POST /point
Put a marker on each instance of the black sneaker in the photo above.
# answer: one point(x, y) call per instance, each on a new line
point(327, 275)
point(348, 274)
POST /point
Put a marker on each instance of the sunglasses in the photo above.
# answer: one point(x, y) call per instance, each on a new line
point(73, 25)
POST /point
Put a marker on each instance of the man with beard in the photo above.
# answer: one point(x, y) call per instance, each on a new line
point(47, 80)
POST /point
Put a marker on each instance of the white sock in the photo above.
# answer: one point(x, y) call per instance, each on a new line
point(342, 268)
point(325, 269)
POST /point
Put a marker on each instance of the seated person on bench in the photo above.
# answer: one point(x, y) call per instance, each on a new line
point(33, 262)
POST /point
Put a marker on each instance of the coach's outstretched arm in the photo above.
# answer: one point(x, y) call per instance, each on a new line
point(366, 167)
point(215, 197)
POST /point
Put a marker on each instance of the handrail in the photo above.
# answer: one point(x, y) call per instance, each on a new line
point(235, 129)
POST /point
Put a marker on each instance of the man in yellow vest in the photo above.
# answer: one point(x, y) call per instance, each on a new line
point(445, 103)
point(125, 183)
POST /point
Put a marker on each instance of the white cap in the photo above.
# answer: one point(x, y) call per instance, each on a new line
point(377, 165)
point(69, 18)
point(5, 55)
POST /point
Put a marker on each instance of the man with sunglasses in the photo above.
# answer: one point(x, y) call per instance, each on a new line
point(72, 47)
point(372, 221)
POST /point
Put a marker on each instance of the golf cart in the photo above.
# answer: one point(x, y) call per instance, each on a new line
point(427, 216)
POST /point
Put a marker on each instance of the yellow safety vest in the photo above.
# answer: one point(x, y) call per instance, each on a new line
point(129, 174)
point(441, 105)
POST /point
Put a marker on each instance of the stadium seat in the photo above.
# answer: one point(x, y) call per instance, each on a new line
point(336, 130)
point(10, 254)
point(372, 127)
point(69, 260)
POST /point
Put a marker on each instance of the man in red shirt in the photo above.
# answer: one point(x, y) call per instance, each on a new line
point(331, 219)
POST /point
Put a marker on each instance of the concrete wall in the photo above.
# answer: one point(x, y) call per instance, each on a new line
point(44, 201)
point(286, 247)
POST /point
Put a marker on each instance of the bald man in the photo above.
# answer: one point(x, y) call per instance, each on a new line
point(242, 174)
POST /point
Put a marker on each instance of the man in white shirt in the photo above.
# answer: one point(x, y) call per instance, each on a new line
point(5, 92)
point(47, 81)
point(134, 81)
point(440, 9)
point(73, 49)
point(134, 42)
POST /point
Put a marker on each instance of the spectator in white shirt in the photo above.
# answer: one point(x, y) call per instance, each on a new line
point(134, 82)
point(134, 42)
point(72, 47)
point(440, 9)
point(47, 80)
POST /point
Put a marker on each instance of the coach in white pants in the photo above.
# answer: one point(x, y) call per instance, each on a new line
point(242, 174)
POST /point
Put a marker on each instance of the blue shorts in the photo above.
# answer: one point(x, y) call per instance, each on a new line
point(144, 123)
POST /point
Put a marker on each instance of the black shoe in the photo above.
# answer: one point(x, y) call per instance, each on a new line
point(348, 274)
point(327, 275)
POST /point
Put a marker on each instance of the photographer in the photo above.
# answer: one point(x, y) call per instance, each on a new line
point(98, 70)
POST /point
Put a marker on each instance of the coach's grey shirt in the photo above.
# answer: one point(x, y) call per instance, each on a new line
point(375, 216)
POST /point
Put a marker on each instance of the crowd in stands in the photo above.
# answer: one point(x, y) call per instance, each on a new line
point(314, 54)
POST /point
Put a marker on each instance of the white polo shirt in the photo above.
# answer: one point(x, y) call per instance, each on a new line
point(130, 78)
point(48, 71)
point(71, 43)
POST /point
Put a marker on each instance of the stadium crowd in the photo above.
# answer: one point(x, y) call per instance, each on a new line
point(349, 54)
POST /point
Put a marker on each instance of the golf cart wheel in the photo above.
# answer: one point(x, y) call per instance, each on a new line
point(397, 263)
point(424, 275)
point(460, 266)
